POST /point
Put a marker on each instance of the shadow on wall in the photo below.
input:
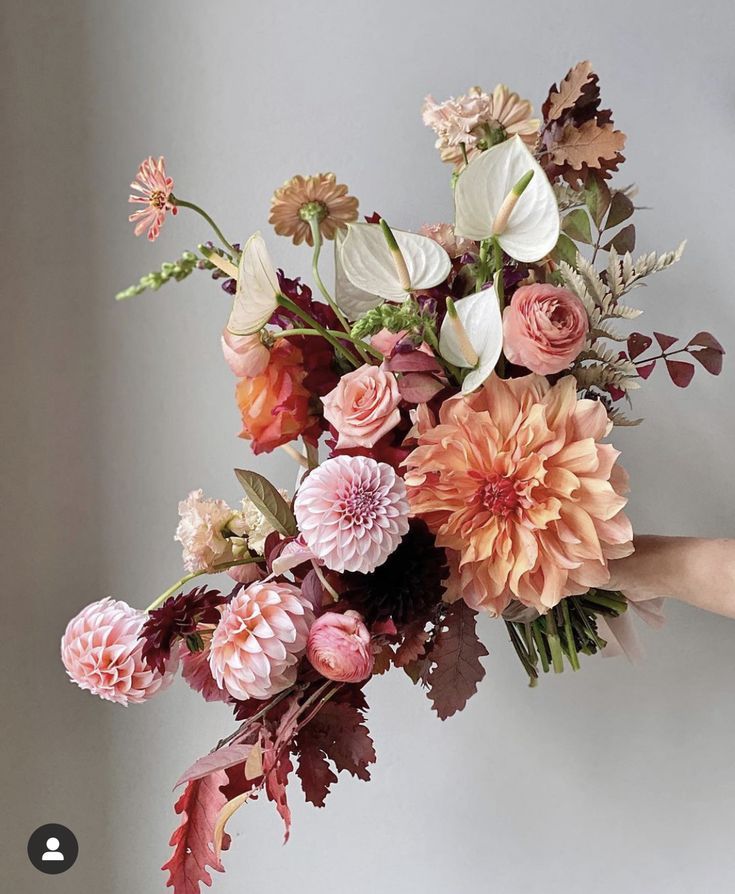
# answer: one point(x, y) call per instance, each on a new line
point(55, 754)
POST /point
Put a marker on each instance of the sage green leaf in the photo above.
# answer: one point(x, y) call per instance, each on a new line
point(266, 498)
point(577, 226)
point(597, 198)
point(623, 241)
point(565, 250)
point(621, 208)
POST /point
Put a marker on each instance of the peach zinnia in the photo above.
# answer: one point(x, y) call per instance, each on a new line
point(514, 483)
point(302, 200)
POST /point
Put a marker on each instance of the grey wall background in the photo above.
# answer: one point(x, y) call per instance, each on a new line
point(618, 778)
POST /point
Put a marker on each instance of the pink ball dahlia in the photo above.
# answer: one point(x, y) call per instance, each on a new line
point(516, 486)
point(259, 640)
point(339, 647)
point(102, 653)
point(352, 512)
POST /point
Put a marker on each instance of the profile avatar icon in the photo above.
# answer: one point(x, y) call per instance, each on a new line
point(52, 850)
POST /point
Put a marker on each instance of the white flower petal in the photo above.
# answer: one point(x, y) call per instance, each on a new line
point(257, 289)
point(482, 321)
point(368, 262)
point(533, 227)
point(353, 301)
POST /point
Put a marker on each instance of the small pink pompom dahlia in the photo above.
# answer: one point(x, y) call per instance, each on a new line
point(259, 640)
point(102, 653)
point(352, 512)
point(339, 647)
point(156, 190)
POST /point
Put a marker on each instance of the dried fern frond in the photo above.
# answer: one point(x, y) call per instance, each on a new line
point(623, 274)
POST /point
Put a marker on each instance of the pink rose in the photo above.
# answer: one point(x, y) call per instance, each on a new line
point(246, 355)
point(363, 407)
point(544, 328)
point(339, 647)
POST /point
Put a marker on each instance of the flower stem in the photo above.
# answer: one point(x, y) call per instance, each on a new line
point(320, 330)
point(187, 577)
point(317, 238)
point(320, 704)
point(202, 213)
point(284, 333)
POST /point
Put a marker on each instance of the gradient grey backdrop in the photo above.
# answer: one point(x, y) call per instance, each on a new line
point(616, 779)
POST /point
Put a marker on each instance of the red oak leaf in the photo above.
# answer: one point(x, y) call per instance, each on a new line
point(313, 769)
point(456, 657)
point(193, 840)
point(413, 645)
point(221, 759)
point(277, 767)
point(344, 738)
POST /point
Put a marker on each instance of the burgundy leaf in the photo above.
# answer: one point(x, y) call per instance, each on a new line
point(623, 241)
point(637, 344)
point(312, 590)
point(193, 840)
point(710, 358)
point(456, 657)
point(665, 341)
point(342, 735)
point(313, 769)
point(680, 371)
point(413, 645)
point(419, 388)
point(277, 768)
point(706, 340)
point(412, 361)
point(220, 759)
point(645, 370)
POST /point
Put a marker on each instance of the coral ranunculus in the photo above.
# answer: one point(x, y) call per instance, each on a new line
point(544, 328)
point(275, 404)
point(515, 484)
point(339, 647)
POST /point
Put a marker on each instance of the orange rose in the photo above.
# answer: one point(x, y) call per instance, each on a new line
point(275, 405)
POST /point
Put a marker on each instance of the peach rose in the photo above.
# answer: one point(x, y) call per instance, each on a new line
point(363, 407)
point(339, 647)
point(544, 328)
point(275, 405)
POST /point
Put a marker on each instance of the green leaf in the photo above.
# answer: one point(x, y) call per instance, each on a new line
point(577, 225)
point(621, 208)
point(565, 250)
point(267, 499)
point(597, 198)
point(622, 241)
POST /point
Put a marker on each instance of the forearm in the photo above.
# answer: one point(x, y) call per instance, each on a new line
point(694, 570)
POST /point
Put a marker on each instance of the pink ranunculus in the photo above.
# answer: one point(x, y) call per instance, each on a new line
point(544, 328)
point(363, 407)
point(339, 647)
point(102, 653)
point(246, 355)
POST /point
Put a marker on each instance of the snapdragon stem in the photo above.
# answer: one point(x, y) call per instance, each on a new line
point(284, 333)
point(182, 581)
point(182, 203)
point(320, 330)
point(317, 238)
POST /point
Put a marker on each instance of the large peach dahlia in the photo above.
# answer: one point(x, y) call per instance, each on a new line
point(514, 483)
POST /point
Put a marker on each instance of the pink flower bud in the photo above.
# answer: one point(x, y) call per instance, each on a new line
point(339, 647)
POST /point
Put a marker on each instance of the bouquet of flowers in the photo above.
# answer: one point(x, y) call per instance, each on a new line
point(447, 403)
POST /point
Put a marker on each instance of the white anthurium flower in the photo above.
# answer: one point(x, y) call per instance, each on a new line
point(354, 302)
point(392, 263)
point(471, 336)
point(504, 193)
point(257, 289)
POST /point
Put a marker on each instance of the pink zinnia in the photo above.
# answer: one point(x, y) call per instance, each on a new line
point(259, 640)
point(352, 512)
point(156, 190)
point(101, 652)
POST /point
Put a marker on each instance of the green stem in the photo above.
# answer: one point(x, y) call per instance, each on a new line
point(522, 654)
point(312, 323)
point(552, 637)
point(481, 277)
point(284, 333)
point(317, 238)
point(611, 602)
point(569, 636)
point(187, 577)
point(202, 213)
point(540, 646)
point(498, 268)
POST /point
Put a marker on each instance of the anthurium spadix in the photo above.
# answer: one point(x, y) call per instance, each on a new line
point(392, 263)
point(471, 336)
point(352, 301)
point(257, 289)
point(504, 193)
